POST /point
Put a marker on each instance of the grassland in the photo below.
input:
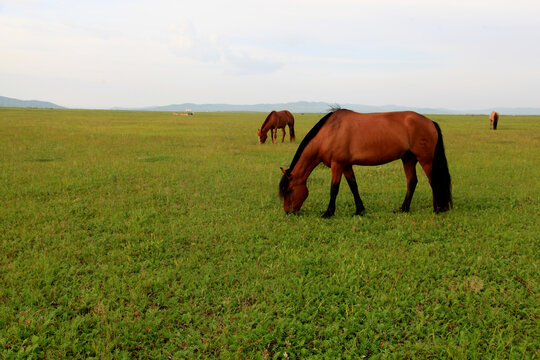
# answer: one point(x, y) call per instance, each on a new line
point(146, 235)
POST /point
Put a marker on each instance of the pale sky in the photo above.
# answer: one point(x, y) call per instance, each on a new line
point(460, 54)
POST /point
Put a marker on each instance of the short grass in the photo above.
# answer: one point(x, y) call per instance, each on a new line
point(146, 235)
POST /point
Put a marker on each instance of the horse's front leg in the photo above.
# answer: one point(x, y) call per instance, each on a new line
point(272, 135)
point(351, 180)
point(337, 171)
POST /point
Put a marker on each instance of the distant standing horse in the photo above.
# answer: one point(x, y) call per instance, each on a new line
point(493, 120)
point(345, 138)
point(274, 121)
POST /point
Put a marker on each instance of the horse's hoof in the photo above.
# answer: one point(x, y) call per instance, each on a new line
point(359, 213)
point(327, 215)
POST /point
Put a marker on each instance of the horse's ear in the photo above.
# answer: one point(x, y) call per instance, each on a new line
point(283, 171)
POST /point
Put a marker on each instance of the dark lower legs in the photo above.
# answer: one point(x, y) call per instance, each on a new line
point(409, 166)
point(351, 180)
point(337, 171)
point(334, 189)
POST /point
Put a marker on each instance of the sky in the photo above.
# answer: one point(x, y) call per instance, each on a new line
point(460, 54)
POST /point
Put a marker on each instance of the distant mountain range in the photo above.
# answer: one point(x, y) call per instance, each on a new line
point(323, 107)
point(10, 102)
point(295, 107)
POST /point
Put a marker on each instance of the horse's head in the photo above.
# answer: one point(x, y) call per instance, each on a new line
point(262, 136)
point(293, 195)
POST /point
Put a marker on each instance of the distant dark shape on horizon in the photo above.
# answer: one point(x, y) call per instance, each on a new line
point(493, 120)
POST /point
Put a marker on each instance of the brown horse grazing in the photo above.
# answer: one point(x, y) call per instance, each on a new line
point(344, 138)
point(493, 120)
point(274, 121)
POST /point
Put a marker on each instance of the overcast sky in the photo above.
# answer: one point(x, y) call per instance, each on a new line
point(460, 54)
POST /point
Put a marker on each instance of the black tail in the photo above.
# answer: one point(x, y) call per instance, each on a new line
point(441, 183)
point(291, 129)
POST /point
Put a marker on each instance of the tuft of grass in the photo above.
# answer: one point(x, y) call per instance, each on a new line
point(146, 235)
point(155, 158)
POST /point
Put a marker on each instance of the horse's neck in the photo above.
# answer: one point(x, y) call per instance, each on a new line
point(267, 124)
point(305, 165)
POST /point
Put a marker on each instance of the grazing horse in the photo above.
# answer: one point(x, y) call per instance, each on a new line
point(493, 120)
point(344, 138)
point(274, 121)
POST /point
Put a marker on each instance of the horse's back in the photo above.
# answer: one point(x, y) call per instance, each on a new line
point(283, 118)
point(375, 138)
point(371, 128)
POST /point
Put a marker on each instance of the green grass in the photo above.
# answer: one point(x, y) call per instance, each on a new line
point(146, 235)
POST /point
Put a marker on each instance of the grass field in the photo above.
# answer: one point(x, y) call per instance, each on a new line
point(146, 235)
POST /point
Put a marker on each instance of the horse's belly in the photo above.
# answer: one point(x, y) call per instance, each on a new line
point(370, 158)
point(377, 152)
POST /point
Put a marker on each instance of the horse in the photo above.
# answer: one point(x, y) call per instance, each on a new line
point(274, 121)
point(493, 120)
point(344, 138)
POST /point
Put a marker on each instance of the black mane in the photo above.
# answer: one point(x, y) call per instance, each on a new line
point(310, 135)
point(284, 183)
point(267, 118)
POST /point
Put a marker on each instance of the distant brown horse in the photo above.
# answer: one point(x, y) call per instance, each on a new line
point(274, 121)
point(344, 138)
point(493, 120)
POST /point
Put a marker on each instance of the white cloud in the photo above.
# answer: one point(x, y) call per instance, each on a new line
point(210, 48)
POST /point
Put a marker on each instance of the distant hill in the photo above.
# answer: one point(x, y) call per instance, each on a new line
point(10, 102)
point(323, 107)
point(295, 107)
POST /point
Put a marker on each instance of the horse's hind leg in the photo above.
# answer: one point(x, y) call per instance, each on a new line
point(351, 180)
point(283, 138)
point(337, 171)
point(427, 166)
point(409, 166)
